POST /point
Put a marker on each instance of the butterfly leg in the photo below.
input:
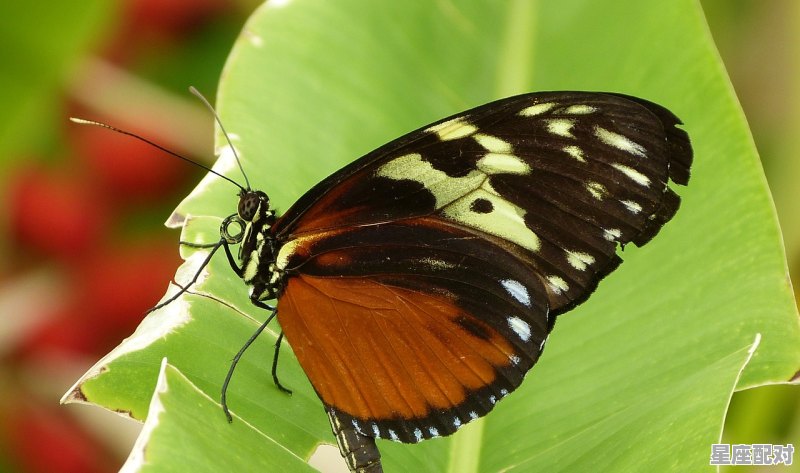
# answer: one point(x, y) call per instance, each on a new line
point(275, 366)
point(232, 261)
point(237, 357)
point(255, 299)
point(186, 287)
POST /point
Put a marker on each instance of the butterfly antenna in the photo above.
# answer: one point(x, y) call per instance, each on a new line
point(197, 94)
point(81, 121)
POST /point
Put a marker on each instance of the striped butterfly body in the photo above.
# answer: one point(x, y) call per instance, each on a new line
point(418, 285)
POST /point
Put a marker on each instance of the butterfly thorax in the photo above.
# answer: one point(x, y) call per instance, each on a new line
point(254, 219)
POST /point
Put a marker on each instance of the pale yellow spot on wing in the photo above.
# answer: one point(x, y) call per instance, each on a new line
point(496, 163)
point(621, 142)
point(453, 129)
point(561, 127)
point(437, 263)
point(557, 284)
point(597, 190)
point(579, 260)
point(492, 143)
point(506, 220)
point(536, 109)
point(455, 195)
point(443, 187)
point(287, 250)
point(575, 152)
point(579, 109)
point(635, 175)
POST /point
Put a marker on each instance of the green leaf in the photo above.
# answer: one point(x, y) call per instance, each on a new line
point(638, 377)
point(169, 440)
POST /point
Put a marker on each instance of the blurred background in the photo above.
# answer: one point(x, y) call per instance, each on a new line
point(83, 252)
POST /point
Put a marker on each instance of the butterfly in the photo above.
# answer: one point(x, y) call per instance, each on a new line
point(418, 285)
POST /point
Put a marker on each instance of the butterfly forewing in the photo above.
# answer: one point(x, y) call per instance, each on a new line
point(421, 281)
point(562, 177)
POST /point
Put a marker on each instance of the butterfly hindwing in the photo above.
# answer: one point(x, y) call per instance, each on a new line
point(429, 328)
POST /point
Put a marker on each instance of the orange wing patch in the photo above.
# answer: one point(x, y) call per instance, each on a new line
point(378, 352)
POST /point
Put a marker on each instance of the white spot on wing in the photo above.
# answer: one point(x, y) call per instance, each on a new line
point(612, 234)
point(514, 359)
point(376, 431)
point(635, 175)
point(473, 415)
point(634, 207)
point(393, 435)
point(417, 435)
point(579, 260)
point(520, 327)
point(433, 431)
point(557, 284)
point(456, 422)
point(517, 291)
point(621, 142)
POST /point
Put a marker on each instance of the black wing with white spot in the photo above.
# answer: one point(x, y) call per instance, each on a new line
point(421, 282)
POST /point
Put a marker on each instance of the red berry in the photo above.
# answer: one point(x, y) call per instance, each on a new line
point(55, 213)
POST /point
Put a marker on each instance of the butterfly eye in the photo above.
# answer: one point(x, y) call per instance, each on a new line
point(232, 223)
point(249, 205)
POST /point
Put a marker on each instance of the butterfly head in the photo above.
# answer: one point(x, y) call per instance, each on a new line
point(254, 207)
